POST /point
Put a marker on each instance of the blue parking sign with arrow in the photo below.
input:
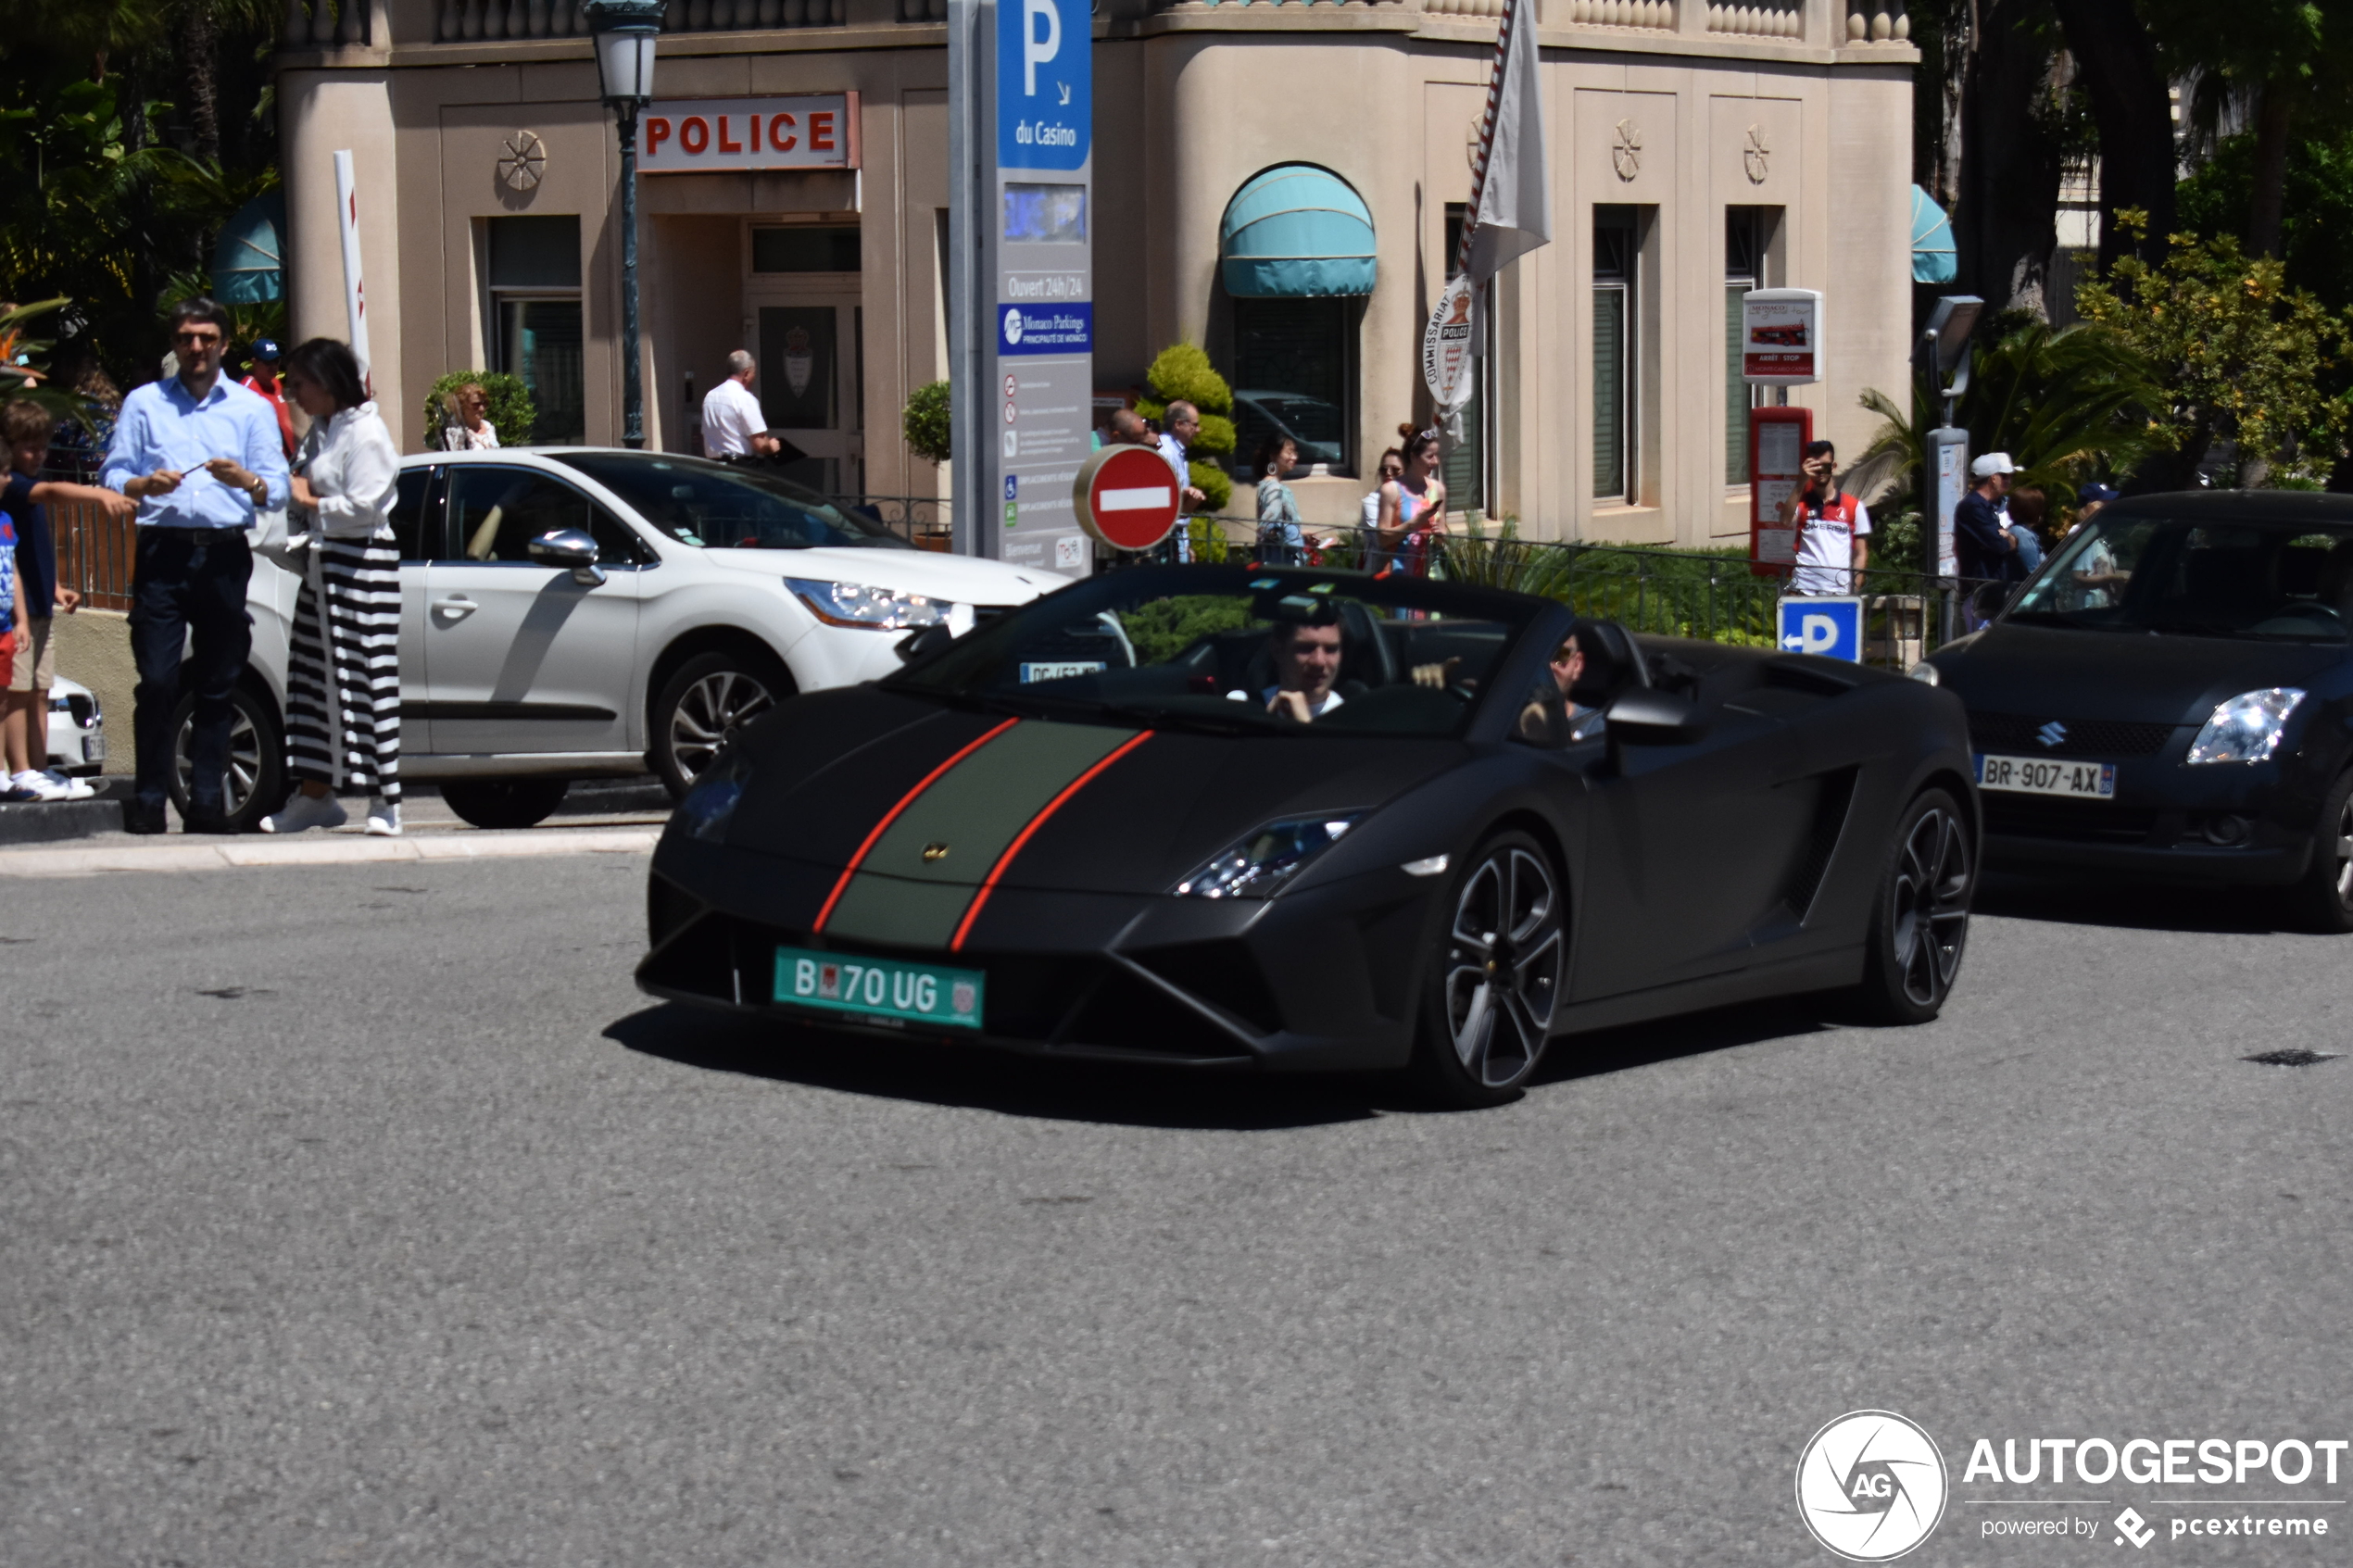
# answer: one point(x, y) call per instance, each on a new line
point(1045, 84)
point(1828, 628)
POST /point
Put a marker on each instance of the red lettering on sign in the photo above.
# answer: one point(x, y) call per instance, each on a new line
point(755, 132)
point(821, 131)
point(727, 144)
point(657, 133)
point(780, 134)
point(694, 133)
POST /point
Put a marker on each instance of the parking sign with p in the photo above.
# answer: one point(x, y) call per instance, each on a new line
point(1830, 628)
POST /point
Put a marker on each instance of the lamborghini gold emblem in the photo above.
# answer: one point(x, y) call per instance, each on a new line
point(935, 851)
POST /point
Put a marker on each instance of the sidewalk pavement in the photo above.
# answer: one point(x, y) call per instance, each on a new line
point(614, 816)
point(181, 854)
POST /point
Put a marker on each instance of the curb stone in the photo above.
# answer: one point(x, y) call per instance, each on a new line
point(251, 853)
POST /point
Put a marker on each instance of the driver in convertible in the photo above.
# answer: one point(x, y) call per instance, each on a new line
point(1306, 658)
point(1537, 721)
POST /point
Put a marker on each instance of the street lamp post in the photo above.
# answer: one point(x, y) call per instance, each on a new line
point(625, 31)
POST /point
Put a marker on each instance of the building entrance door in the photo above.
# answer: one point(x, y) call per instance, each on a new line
point(807, 337)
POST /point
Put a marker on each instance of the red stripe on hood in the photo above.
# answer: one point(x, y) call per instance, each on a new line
point(892, 815)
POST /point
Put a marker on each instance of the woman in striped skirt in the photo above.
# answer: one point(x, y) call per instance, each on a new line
point(343, 674)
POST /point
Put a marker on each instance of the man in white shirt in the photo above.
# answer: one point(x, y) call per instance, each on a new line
point(1833, 528)
point(1175, 442)
point(1306, 656)
point(734, 426)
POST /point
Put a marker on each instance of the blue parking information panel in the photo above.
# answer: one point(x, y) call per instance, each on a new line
point(1828, 628)
point(1037, 239)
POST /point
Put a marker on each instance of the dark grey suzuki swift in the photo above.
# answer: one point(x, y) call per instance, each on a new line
point(2171, 698)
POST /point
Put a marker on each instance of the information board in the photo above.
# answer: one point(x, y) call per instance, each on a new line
point(1036, 238)
point(1776, 439)
point(1781, 338)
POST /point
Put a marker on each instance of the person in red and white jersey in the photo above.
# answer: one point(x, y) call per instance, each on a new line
point(1833, 528)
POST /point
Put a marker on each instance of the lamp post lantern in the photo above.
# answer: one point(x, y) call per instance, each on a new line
point(625, 31)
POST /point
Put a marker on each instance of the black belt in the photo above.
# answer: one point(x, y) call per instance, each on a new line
point(194, 535)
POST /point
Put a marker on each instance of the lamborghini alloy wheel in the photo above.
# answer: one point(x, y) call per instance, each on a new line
point(1921, 924)
point(1502, 959)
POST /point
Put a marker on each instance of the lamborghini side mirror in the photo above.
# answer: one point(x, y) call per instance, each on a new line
point(1649, 717)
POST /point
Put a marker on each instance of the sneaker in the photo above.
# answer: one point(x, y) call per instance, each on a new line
point(383, 819)
point(37, 786)
point(303, 811)
point(75, 789)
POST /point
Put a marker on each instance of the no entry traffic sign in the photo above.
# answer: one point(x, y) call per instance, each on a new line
point(1126, 497)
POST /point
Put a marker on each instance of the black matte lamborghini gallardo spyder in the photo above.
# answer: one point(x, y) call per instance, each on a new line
point(1303, 819)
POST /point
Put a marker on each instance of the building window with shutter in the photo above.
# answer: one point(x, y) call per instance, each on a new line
point(1615, 354)
point(1294, 370)
point(1748, 256)
point(535, 320)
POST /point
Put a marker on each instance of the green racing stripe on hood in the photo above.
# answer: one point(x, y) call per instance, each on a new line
point(975, 812)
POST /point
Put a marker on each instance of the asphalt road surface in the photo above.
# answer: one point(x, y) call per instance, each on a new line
point(368, 1215)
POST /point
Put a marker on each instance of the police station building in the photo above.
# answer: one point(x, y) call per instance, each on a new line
point(795, 190)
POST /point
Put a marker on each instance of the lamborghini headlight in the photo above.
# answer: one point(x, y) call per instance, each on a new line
point(2246, 728)
point(710, 805)
point(1260, 864)
point(857, 604)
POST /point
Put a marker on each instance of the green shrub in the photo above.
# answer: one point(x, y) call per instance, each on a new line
point(1165, 628)
point(1211, 480)
point(511, 412)
point(925, 422)
point(1184, 372)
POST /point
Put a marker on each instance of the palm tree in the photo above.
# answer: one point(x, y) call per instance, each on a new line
point(2063, 404)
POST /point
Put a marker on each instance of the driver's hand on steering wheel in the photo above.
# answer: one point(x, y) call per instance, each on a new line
point(1437, 677)
point(1291, 706)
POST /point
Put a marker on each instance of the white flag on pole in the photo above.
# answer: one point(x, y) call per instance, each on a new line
point(1510, 213)
point(355, 294)
point(1512, 205)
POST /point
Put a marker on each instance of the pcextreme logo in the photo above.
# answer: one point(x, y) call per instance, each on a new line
point(1871, 1486)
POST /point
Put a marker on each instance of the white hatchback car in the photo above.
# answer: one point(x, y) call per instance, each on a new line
point(579, 612)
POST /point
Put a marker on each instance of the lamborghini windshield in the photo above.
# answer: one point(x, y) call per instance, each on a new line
point(1237, 650)
point(2274, 580)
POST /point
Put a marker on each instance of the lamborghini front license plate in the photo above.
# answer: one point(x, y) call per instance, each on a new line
point(2035, 775)
point(880, 990)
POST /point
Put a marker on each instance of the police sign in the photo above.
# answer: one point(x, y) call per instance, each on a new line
point(1827, 628)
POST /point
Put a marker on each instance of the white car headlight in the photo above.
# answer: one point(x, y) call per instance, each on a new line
point(2246, 728)
point(1262, 863)
point(856, 604)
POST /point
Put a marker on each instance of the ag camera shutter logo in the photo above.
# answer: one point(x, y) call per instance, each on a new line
point(1871, 1486)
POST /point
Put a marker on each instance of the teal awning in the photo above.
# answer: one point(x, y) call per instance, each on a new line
point(1296, 231)
point(247, 265)
point(1934, 260)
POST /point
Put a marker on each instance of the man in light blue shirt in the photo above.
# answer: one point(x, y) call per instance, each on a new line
point(201, 456)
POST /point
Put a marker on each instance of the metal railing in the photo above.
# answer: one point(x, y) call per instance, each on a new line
point(468, 21)
point(1715, 597)
point(921, 521)
point(94, 554)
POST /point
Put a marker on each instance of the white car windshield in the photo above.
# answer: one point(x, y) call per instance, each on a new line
point(713, 505)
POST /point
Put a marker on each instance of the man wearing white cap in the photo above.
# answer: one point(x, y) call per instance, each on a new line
point(1982, 544)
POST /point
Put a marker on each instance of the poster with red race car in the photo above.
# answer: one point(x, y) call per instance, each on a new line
point(1781, 338)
